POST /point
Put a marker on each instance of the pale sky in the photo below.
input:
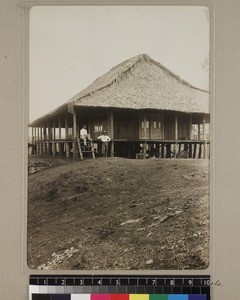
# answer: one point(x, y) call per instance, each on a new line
point(70, 46)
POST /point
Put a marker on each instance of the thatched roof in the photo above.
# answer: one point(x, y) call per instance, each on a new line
point(140, 83)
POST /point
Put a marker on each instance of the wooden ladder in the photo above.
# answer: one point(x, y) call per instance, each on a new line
point(88, 148)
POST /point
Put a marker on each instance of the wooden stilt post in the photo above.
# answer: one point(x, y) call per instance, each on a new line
point(32, 140)
point(190, 150)
point(194, 150)
point(162, 150)
point(77, 136)
point(145, 135)
point(32, 149)
point(75, 153)
point(199, 133)
point(35, 139)
point(41, 141)
point(190, 136)
point(111, 133)
point(66, 137)
point(200, 151)
point(37, 146)
point(145, 149)
point(60, 137)
point(157, 153)
point(179, 147)
point(54, 137)
point(176, 136)
point(44, 139)
point(32, 135)
point(168, 150)
point(48, 138)
point(204, 138)
point(77, 130)
point(190, 126)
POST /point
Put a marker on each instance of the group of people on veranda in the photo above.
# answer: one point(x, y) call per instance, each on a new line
point(103, 138)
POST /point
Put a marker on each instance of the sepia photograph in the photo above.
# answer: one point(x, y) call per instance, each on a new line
point(119, 138)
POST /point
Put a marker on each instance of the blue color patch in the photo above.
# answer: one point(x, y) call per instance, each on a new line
point(197, 297)
point(178, 297)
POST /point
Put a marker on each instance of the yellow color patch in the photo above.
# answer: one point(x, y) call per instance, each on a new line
point(138, 297)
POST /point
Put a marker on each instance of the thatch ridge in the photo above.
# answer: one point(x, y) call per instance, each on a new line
point(116, 73)
point(146, 57)
point(115, 76)
point(140, 83)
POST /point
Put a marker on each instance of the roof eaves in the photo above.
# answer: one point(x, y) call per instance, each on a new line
point(49, 116)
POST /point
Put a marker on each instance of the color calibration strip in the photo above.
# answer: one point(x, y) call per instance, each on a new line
point(116, 297)
point(119, 288)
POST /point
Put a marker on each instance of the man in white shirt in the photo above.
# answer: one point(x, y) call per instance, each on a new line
point(84, 135)
point(105, 139)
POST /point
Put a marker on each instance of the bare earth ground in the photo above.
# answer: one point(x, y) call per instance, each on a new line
point(118, 213)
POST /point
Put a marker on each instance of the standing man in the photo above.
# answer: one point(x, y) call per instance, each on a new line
point(84, 135)
point(105, 139)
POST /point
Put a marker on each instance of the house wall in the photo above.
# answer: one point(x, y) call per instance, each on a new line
point(129, 125)
point(184, 127)
point(169, 126)
point(183, 121)
point(98, 123)
point(154, 128)
point(126, 125)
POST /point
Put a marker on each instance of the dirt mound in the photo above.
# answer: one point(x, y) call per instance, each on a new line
point(118, 213)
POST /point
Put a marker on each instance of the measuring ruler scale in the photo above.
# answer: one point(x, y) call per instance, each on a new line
point(70, 287)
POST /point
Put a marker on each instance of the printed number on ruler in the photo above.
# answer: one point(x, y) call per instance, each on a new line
point(206, 282)
point(190, 282)
point(172, 282)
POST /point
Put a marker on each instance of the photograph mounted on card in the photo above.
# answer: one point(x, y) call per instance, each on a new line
point(119, 138)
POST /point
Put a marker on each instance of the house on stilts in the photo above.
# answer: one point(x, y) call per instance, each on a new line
point(146, 109)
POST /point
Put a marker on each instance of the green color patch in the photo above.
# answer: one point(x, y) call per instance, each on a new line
point(158, 297)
